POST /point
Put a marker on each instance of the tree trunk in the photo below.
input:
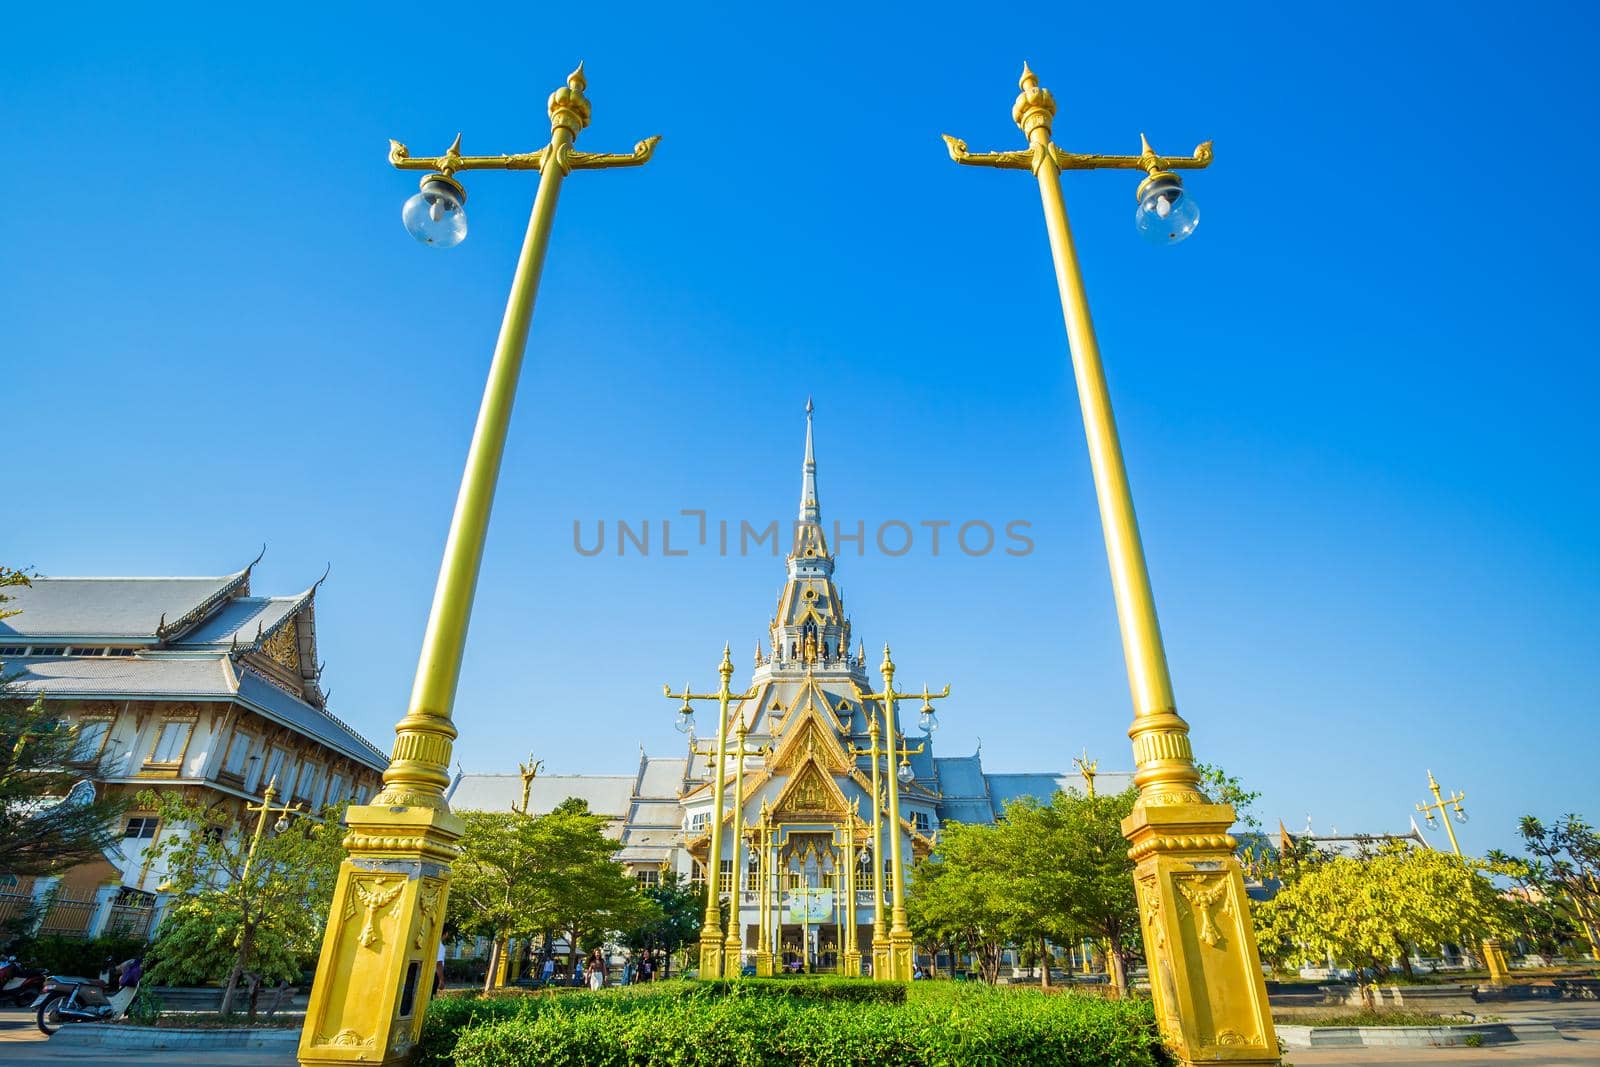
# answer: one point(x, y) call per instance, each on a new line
point(251, 997)
point(247, 942)
point(494, 963)
point(1116, 967)
point(1044, 963)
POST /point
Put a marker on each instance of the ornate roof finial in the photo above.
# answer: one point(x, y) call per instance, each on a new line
point(1029, 79)
point(810, 511)
point(576, 81)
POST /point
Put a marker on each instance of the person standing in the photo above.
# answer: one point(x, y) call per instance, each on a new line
point(548, 972)
point(597, 970)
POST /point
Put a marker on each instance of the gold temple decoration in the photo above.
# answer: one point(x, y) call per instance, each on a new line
point(369, 1000)
point(1210, 995)
point(529, 772)
point(1088, 768)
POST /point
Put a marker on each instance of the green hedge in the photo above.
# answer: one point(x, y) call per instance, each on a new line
point(74, 956)
point(749, 1024)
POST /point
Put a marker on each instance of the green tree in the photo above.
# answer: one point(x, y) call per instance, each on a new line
point(1566, 870)
point(44, 825)
point(1367, 912)
point(957, 900)
point(1044, 871)
point(520, 876)
point(240, 917)
point(680, 909)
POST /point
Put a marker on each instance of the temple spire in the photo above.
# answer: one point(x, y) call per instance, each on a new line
point(809, 509)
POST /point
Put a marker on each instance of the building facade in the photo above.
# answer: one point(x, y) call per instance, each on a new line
point(191, 684)
point(812, 852)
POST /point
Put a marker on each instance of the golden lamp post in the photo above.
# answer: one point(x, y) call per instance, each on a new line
point(1494, 956)
point(377, 956)
point(733, 945)
point(897, 960)
point(711, 938)
point(763, 841)
point(1205, 970)
point(880, 934)
point(264, 809)
point(851, 961)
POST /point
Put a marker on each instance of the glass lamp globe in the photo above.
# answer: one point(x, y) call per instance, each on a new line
point(928, 720)
point(685, 723)
point(1166, 214)
point(1461, 815)
point(282, 824)
point(436, 215)
point(905, 773)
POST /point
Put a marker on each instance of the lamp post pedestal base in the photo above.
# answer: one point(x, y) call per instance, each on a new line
point(880, 960)
point(732, 958)
point(763, 965)
point(852, 964)
point(710, 953)
point(1494, 958)
point(1205, 973)
point(899, 954)
point(375, 972)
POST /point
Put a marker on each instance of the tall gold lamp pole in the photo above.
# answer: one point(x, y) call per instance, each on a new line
point(880, 932)
point(1205, 971)
point(1494, 955)
point(383, 930)
point(711, 937)
point(898, 959)
point(262, 810)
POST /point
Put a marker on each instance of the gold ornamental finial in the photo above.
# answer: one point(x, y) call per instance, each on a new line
point(569, 108)
point(1035, 106)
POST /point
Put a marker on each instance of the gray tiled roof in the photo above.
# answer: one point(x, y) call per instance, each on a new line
point(961, 776)
point(138, 676)
point(244, 616)
point(1006, 787)
point(607, 794)
point(103, 608)
point(277, 704)
point(663, 777)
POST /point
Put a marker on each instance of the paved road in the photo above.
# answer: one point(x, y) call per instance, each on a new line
point(22, 1045)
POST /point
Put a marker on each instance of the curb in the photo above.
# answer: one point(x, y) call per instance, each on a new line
point(155, 1038)
point(1414, 1036)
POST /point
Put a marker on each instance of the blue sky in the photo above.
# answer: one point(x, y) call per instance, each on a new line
point(1358, 406)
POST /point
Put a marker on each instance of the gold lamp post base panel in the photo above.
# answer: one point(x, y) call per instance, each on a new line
point(899, 957)
point(1205, 974)
point(852, 964)
point(710, 957)
point(375, 972)
point(732, 959)
point(763, 964)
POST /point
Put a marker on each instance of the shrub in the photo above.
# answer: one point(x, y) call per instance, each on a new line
point(747, 1024)
point(76, 957)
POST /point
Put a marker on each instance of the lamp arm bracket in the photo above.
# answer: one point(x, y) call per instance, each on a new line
point(604, 160)
point(1022, 160)
point(1145, 161)
point(401, 159)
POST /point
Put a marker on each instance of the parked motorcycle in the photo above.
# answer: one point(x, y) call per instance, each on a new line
point(86, 1000)
point(19, 984)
